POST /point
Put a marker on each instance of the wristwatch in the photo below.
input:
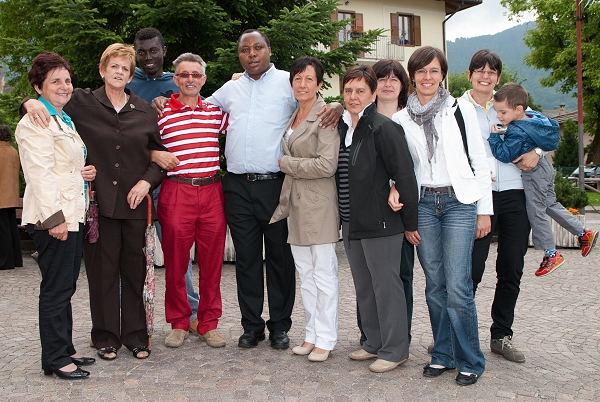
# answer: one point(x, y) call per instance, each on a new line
point(539, 152)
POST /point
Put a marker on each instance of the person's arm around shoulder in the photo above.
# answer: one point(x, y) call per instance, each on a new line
point(330, 115)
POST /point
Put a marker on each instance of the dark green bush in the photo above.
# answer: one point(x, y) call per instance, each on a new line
point(568, 195)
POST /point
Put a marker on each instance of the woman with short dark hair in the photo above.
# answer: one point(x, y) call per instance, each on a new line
point(373, 151)
point(54, 208)
point(309, 201)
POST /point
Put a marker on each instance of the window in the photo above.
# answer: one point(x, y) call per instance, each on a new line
point(406, 29)
point(352, 28)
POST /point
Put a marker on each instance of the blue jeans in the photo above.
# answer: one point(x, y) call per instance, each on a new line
point(447, 230)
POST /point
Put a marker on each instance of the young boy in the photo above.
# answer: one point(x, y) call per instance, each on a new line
point(526, 130)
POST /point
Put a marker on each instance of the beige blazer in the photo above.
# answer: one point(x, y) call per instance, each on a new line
point(9, 176)
point(52, 159)
point(309, 192)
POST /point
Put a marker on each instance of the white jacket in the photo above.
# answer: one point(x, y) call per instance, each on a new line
point(52, 159)
point(469, 187)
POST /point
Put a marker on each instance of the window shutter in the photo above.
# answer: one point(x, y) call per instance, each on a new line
point(336, 43)
point(358, 22)
point(395, 29)
point(417, 30)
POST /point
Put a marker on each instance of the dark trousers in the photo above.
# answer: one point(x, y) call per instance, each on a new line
point(248, 209)
point(10, 243)
point(118, 317)
point(510, 220)
point(407, 264)
point(60, 262)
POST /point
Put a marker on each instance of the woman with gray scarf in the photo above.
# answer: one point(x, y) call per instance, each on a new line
point(455, 205)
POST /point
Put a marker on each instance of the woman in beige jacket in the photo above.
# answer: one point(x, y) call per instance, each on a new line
point(309, 200)
point(10, 245)
point(54, 207)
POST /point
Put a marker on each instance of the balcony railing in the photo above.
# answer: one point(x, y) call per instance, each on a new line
point(385, 47)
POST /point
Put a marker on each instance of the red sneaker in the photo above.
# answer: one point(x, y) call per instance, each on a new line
point(549, 264)
point(588, 241)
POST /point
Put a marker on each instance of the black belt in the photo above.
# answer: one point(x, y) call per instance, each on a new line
point(196, 181)
point(444, 190)
point(259, 176)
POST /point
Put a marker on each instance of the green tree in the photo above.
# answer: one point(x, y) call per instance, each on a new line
point(553, 47)
point(566, 155)
point(458, 84)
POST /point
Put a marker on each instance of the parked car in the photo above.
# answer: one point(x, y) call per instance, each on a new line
point(589, 172)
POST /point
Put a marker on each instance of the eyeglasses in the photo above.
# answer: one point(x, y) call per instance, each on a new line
point(434, 72)
point(186, 75)
point(490, 74)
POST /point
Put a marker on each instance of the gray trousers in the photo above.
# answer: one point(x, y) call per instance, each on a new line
point(375, 266)
point(538, 184)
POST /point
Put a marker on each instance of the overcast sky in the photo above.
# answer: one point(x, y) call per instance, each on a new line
point(485, 19)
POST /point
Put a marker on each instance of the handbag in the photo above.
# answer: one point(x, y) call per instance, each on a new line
point(92, 232)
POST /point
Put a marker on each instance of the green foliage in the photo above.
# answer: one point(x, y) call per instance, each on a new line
point(567, 153)
point(567, 195)
point(553, 47)
point(299, 32)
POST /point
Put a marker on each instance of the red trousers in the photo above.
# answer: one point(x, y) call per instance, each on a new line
point(189, 214)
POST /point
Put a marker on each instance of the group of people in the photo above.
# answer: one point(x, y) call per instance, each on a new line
point(395, 171)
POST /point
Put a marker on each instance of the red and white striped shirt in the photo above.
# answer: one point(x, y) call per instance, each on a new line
point(193, 136)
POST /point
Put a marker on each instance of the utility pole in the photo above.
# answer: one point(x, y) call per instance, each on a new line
point(580, 96)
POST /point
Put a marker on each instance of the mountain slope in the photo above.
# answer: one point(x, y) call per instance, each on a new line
point(509, 45)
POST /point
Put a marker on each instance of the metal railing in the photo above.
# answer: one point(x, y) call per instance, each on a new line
point(385, 47)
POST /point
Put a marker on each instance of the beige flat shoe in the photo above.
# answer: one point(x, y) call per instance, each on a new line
point(361, 354)
point(301, 350)
point(213, 339)
point(383, 366)
point(318, 357)
point(176, 338)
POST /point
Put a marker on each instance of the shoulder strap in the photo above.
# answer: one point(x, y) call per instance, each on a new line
point(463, 131)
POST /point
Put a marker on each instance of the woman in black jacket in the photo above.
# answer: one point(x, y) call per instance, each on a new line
point(373, 151)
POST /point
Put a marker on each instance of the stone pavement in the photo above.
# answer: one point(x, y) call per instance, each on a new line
point(557, 326)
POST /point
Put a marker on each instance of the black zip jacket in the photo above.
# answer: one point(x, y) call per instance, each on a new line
point(378, 153)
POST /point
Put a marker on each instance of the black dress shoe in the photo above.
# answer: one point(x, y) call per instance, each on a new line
point(83, 361)
point(250, 339)
point(279, 339)
point(466, 379)
point(429, 371)
point(69, 375)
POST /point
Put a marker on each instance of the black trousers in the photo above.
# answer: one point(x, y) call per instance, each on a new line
point(510, 220)
point(59, 262)
point(248, 209)
point(10, 243)
point(116, 270)
point(407, 264)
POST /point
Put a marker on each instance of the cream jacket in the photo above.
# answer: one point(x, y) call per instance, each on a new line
point(469, 186)
point(52, 160)
point(309, 192)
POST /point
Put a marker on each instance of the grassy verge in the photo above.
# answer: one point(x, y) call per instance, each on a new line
point(593, 198)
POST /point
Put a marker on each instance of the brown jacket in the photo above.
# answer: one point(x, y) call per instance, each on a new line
point(309, 192)
point(9, 176)
point(118, 146)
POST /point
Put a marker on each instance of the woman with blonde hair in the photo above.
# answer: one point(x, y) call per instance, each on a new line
point(119, 130)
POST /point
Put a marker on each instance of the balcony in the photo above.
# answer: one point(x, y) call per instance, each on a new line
point(385, 47)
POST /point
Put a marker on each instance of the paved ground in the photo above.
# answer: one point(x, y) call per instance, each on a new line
point(557, 326)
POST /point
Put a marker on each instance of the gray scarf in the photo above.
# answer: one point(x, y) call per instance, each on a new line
point(423, 115)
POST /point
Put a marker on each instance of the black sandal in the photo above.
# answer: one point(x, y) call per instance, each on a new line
point(139, 349)
point(102, 352)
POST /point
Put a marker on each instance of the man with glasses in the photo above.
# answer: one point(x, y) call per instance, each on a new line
point(149, 82)
point(190, 206)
